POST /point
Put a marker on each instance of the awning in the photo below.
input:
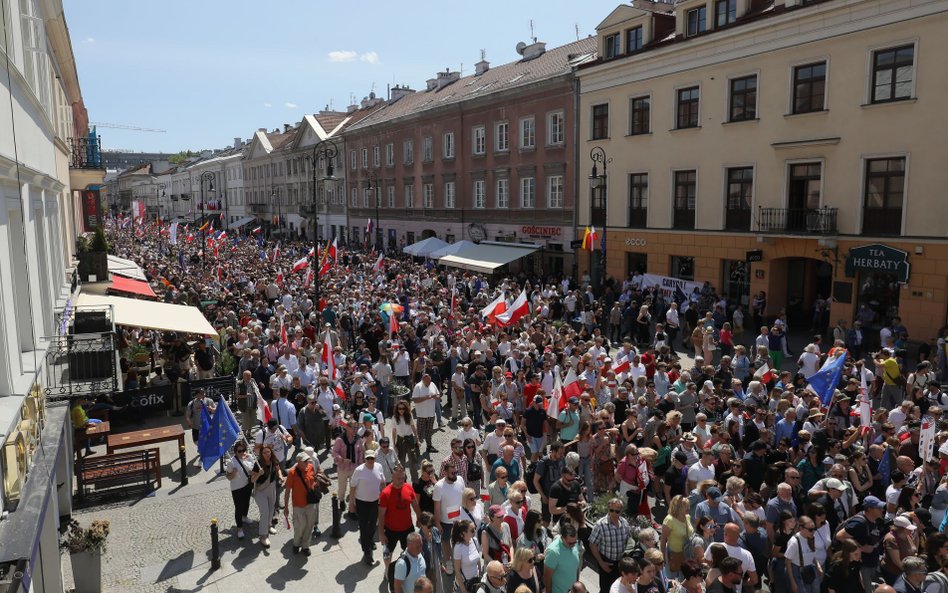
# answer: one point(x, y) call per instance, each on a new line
point(425, 247)
point(241, 222)
point(452, 249)
point(488, 256)
point(126, 267)
point(130, 286)
point(151, 314)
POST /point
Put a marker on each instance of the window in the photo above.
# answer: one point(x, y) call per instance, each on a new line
point(697, 21)
point(554, 191)
point(688, 107)
point(528, 192)
point(682, 267)
point(885, 185)
point(503, 193)
point(740, 186)
point(4, 19)
point(409, 196)
point(365, 197)
point(479, 197)
point(556, 126)
point(391, 196)
point(638, 200)
point(743, 104)
point(449, 194)
point(892, 73)
point(409, 150)
point(389, 155)
point(376, 156)
point(502, 137)
point(528, 133)
point(600, 121)
point(633, 40)
point(448, 142)
point(809, 87)
point(479, 139)
point(611, 46)
point(685, 196)
point(427, 195)
point(35, 61)
point(353, 164)
point(725, 12)
point(355, 197)
point(427, 149)
point(639, 116)
point(365, 158)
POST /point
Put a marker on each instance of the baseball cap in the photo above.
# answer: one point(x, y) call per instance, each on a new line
point(272, 423)
point(370, 454)
point(574, 400)
point(713, 493)
point(834, 484)
point(871, 502)
point(904, 522)
point(537, 399)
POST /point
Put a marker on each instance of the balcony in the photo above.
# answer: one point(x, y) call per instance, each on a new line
point(258, 208)
point(81, 358)
point(798, 221)
point(684, 218)
point(738, 219)
point(86, 153)
point(638, 218)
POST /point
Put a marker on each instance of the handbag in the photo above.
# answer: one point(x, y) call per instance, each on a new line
point(323, 482)
point(808, 571)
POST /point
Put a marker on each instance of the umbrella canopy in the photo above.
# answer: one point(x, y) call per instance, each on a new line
point(425, 247)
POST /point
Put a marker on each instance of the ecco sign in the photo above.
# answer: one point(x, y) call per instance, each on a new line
point(635, 242)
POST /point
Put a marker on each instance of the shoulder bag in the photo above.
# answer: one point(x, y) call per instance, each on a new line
point(807, 571)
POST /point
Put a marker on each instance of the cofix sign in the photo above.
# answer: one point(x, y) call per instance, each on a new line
point(542, 231)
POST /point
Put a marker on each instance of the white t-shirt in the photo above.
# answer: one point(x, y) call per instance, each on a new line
point(274, 439)
point(367, 482)
point(242, 478)
point(470, 559)
point(425, 409)
point(810, 556)
point(492, 443)
point(449, 495)
point(698, 473)
point(471, 433)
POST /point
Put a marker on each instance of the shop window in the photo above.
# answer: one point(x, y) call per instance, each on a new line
point(636, 263)
point(683, 267)
point(877, 299)
point(735, 275)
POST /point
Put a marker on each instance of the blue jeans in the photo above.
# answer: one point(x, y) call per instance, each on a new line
point(813, 587)
point(383, 400)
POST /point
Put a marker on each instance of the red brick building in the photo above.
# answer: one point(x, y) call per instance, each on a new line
point(489, 156)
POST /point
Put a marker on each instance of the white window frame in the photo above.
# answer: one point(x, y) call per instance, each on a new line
point(390, 154)
point(447, 142)
point(524, 183)
point(408, 147)
point(479, 140)
point(353, 160)
point(479, 196)
point(427, 195)
point(502, 136)
point(427, 149)
point(551, 119)
point(503, 193)
point(528, 133)
point(449, 194)
point(549, 191)
point(409, 196)
point(391, 196)
point(376, 156)
point(365, 158)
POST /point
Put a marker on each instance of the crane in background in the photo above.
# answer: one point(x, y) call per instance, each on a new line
point(101, 124)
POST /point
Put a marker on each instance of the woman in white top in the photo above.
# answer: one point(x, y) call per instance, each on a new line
point(802, 552)
point(241, 489)
point(471, 507)
point(405, 438)
point(467, 556)
point(467, 431)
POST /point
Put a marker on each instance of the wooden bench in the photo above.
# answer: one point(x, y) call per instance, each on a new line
point(151, 436)
point(118, 473)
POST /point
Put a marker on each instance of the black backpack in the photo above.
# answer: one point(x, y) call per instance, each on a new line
point(474, 472)
point(529, 475)
point(391, 571)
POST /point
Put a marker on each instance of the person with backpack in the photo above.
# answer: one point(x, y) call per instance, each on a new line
point(409, 567)
point(193, 412)
point(396, 503)
point(865, 528)
point(545, 473)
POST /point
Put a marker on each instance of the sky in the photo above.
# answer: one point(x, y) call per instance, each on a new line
point(207, 71)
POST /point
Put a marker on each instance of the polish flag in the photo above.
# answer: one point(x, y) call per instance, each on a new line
point(378, 263)
point(517, 310)
point(340, 392)
point(622, 367)
point(329, 360)
point(263, 410)
point(220, 273)
point(556, 402)
point(283, 338)
point(312, 251)
point(276, 253)
point(324, 271)
point(572, 387)
point(495, 308)
point(301, 264)
point(309, 278)
point(764, 374)
point(257, 230)
point(279, 278)
point(332, 251)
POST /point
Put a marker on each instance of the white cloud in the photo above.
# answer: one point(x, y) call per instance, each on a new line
point(343, 56)
point(370, 57)
point(289, 105)
point(89, 40)
point(267, 105)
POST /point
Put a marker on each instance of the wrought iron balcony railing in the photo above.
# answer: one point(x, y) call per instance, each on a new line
point(86, 153)
point(798, 221)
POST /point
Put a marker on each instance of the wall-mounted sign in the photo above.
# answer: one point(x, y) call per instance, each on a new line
point(635, 242)
point(879, 258)
point(575, 243)
point(477, 232)
point(542, 231)
point(91, 217)
point(755, 255)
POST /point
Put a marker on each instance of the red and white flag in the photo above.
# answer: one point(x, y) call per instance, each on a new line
point(556, 402)
point(622, 367)
point(279, 278)
point(379, 263)
point(865, 408)
point(283, 338)
point(333, 251)
point(519, 309)
point(764, 374)
point(329, 359)
point(324, 271)
point(309, 278)
point(301, 264)
point(257, 230)
point(263, 410)
point(276, 252)
point(312, 251)
point(340, 392)
point(572, 386)
point(495, 308)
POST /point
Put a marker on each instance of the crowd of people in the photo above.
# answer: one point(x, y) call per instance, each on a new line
point(583, 434)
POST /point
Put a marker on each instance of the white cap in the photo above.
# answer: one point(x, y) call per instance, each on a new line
point(905, 522)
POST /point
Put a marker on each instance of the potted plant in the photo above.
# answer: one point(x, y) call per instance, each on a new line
point(86, 546)
point(93, 256)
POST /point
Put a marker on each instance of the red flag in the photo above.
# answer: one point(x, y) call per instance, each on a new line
point(764, 374)
point(300, 265)
point(392, 325)
point(572, 386)
point(517, 310)
point(263, 410)
point(220, 273)
point(283, 333)
point(340, 392)
point(312, 251)
point(329, 360)
point(323, 271)
point(623, 367)
point(333, 251)
point(279, 278)
point(495, 308)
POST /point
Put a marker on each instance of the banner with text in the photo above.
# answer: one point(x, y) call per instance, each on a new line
point(667, 285)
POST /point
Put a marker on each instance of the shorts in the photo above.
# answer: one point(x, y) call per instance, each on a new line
point(537, 444)
point(395, 538)
point(446, 529)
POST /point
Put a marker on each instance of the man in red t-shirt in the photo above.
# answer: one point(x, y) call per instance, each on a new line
point(395, 506)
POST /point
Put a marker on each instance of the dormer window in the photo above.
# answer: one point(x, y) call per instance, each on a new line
point(697, 21)
point(633, 40)
point(725, 13)
point(611, 46)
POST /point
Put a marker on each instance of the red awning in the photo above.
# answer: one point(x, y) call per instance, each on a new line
point(129, 286)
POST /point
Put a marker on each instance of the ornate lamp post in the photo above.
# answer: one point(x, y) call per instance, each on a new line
point(597, 211)
point(374, 187)
point(207, 182)
point(323, 150)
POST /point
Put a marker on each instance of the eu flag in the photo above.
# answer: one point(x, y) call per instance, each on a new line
point(885, 468)
point(217, 434)
point(824, 382)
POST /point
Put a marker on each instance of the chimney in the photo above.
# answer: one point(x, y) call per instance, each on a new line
point(287, 128)
point(431, 83)
point(238, 142)
point(445, 78)
point(351, 108)
point(534, 50)
point(482, 66)
point(264, 130)
point(400, 91)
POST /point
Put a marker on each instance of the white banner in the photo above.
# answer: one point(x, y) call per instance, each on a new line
point(926, 443)
point(668, 285)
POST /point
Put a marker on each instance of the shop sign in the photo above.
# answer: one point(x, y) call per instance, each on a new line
point(635, 242)
point(879, 258)
point(151, 397)
point(545, 232)
point(755, 255)
point(91, 217)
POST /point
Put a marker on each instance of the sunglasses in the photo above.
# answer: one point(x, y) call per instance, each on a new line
point(614, 511)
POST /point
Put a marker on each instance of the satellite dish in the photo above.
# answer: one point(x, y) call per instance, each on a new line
point(520, 47)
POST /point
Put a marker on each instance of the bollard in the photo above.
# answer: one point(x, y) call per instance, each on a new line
point(215, 546)
point(182, 457)
point(336, 513)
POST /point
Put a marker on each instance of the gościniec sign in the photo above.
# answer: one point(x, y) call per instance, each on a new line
point(878, 258)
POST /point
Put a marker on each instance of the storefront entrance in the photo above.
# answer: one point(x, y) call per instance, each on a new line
point(636, 262)
point(879, 270)
point(735, 280)
point(796, 285)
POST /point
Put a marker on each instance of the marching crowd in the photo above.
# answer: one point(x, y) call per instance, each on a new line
point(580, 437)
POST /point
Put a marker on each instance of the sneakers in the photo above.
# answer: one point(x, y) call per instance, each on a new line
point(296, 550)
point(273, 530)
point(265, 542)
point(367, 559)
point(240, 533)
point(305, 551)
point(317, 532)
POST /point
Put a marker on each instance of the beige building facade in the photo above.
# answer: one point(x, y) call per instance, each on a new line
point(795, 149)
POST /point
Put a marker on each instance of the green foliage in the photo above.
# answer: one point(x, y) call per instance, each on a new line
point(77, 539)
point(99, 242)
point(177, 159)
point(82, 244)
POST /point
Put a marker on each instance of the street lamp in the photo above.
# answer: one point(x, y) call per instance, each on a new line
point(374, 187)
point(597, 210)
point(322, 150)
point(207, 181)
point(159, 193)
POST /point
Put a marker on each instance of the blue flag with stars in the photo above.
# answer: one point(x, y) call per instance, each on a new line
point(217, 434)
point(824, 382)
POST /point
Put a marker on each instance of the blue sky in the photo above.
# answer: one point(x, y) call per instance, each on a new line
point(207, 71)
